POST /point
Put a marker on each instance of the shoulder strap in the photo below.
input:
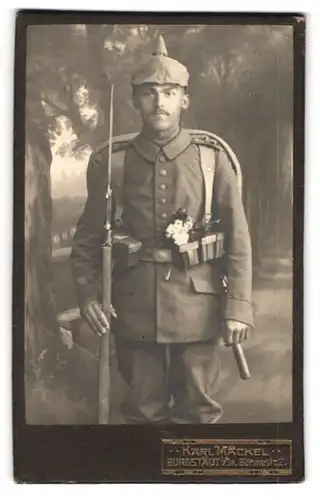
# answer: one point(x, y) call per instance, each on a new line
point(205, 138)
point(208, 167)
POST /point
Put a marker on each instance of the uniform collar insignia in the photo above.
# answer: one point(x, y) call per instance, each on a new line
point(177, 145)
point(149, 150)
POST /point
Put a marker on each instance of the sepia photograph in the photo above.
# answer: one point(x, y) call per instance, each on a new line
point(158, 223)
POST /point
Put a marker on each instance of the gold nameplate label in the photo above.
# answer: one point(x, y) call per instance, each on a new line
point(227, 457)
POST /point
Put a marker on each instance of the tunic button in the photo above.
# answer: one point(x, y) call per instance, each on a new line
point(162, 159)
point(163, 172)
point(162, 187)
point(163, 215)
point(163, 201)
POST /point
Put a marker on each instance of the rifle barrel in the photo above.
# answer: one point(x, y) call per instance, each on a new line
point(105, 342)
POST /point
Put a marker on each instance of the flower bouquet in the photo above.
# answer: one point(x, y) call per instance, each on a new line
point(193, 243)
point(180, 234)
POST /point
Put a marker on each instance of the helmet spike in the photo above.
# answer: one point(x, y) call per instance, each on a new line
point(160, 69)
point(161, 49)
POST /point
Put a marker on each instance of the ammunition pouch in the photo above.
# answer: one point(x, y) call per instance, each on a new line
point(211, 246)
point(189, 254)
point(208, 248)
point(125, 250)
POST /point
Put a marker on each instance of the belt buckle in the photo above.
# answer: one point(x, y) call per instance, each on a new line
point(161, 255)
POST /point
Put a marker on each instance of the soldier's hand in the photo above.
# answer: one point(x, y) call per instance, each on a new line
point(95, 317)
point(235, 332)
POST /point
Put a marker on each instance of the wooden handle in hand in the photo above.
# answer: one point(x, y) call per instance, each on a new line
point(241, 361)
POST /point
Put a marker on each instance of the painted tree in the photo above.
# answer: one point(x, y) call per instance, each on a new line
point(64, 89)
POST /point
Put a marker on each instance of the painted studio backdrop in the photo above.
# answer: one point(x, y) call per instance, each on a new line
point(241, 88)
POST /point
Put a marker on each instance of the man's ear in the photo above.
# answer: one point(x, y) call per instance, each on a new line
point(185, 101)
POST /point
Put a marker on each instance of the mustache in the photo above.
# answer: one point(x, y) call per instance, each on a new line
point(160, 112)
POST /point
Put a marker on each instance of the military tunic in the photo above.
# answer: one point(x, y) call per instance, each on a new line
point(158, 180)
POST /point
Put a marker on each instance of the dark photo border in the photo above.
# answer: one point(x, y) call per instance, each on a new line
point(129, 454)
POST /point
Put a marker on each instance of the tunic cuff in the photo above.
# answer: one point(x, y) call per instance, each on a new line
point(239, 310)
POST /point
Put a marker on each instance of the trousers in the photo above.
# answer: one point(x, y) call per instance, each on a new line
point(169, 383)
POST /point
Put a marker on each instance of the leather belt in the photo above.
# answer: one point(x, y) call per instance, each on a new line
point(162, 255)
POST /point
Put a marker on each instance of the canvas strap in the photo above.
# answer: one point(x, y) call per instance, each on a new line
point(208, 165)
point(117, 189)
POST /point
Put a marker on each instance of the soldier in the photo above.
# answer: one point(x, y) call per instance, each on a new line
point(168, 318)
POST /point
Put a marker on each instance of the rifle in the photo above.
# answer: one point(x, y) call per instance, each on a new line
point(104, 348)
